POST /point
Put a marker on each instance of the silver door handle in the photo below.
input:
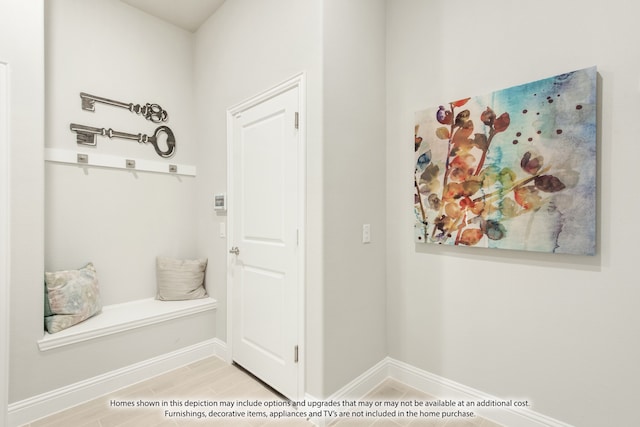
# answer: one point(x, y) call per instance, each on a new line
point(234, 250)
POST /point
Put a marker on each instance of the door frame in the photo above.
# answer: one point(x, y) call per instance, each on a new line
point(299, 81)
point(4, 244)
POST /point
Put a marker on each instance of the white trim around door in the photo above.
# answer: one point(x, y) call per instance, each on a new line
point(298, 81)
point(4, 242)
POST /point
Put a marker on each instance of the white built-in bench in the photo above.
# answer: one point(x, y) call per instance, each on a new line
point(118, 318)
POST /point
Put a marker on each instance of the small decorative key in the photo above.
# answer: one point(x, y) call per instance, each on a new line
point(152, 112)
point(87, 136)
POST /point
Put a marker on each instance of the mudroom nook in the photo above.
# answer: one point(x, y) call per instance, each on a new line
point(118, 125)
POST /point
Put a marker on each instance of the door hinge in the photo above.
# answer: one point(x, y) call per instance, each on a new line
point(297, 120)
point(295, 354)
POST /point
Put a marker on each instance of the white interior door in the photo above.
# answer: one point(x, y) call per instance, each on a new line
point(264, 233)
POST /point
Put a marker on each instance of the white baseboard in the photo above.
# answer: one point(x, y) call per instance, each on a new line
point(356, 389)
point(445, 388)
point(45, 404)
point(366, 382)
point(220, 349)
point(440, 387)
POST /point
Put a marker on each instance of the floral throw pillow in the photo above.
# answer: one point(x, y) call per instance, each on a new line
point(72, 295)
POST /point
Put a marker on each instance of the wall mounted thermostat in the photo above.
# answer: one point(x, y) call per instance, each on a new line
point(220, 202)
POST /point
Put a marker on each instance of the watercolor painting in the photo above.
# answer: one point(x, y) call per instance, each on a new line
point(514, 169)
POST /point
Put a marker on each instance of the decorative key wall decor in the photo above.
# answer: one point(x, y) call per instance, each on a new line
point(152, 112)
point(515, 169)
point(86, 135)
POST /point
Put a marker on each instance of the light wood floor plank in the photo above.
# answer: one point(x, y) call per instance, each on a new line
point(212, 379)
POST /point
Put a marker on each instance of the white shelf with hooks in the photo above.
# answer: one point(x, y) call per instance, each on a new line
point(88, 159)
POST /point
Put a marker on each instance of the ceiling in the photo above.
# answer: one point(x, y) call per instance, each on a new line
point(187, 14)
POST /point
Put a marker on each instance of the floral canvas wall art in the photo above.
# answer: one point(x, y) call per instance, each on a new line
point(514, 169)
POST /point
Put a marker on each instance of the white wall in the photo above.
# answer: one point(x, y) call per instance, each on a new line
point(4, 239)
point(119, 220)
point(21, 50)
point(26, 139)
point(558, 330)
point(354, 188)
point(245, 48)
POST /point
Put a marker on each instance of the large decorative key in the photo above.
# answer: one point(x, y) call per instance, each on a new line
point(152, 112)
point(87, 136)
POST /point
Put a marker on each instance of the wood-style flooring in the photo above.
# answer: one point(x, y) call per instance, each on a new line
point(214, 380)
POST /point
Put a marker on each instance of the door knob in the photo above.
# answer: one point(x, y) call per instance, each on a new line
point(234, 250)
